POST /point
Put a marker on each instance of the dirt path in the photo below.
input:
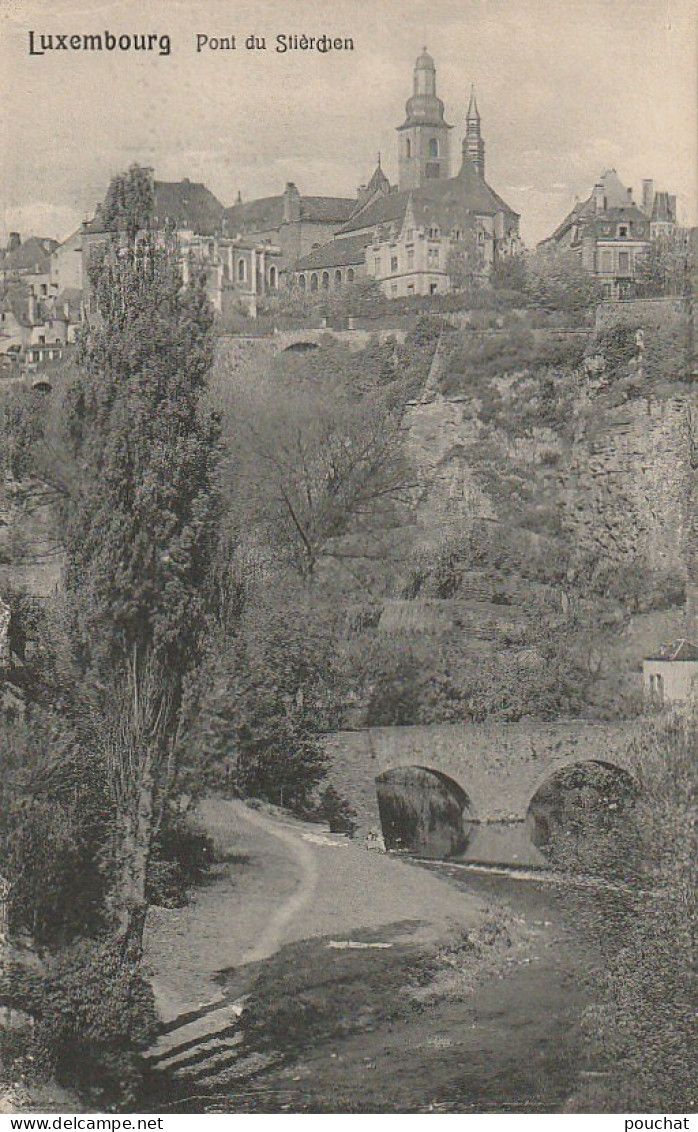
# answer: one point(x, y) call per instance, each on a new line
point(279, 881)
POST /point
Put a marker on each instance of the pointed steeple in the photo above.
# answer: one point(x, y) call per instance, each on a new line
point(473, 143)
point(473, 112)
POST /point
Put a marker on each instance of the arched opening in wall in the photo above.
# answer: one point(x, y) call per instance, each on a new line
point(300, 347)
point(338, 278)
point(584, 818)
point(423, 811)
point(408, 148)
point(350, 275)
point(313, 282)
point(325, 280)
point(433, 147)
point(242, 271)
point(301, 282)
point(272, 278)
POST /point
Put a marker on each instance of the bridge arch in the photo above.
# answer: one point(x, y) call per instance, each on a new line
point(423, 811)
point(582, 815)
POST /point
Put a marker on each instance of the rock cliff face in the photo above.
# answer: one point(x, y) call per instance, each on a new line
point(631, 485)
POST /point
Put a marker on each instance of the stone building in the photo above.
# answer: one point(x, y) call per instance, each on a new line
point(409, 232)
point(610, 232)
point(671, 675)
point(294, 223)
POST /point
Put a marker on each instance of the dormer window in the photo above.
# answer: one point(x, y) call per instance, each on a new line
point(623, 230)
point(457, 234)
point(434, 233)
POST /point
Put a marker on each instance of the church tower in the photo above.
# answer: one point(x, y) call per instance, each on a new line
point(423, 138)
point(473, 143)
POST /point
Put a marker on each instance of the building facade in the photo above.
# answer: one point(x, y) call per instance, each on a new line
point(610, 233)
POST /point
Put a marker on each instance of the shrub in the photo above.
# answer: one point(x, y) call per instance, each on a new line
point(336, 811)
point(94, 1012)
point(181, 858)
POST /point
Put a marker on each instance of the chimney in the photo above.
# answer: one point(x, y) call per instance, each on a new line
point(292, 204)
point(14, 242)
point(672, 206)
point(599, 198)
point(647, 196)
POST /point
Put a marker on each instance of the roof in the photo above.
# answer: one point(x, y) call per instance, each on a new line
point(34, 253)
point(678, 650)
point(268, 212)
point(662, 208)
point(616, 197)
point(449, 203)
point(189, 204)
point(337, 253)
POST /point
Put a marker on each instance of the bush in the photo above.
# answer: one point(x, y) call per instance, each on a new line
point(94, 1011)
point(181, 858)
point(336, 811)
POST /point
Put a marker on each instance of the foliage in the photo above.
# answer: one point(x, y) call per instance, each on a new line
point(556, 280)
point(94, 1011)
point(317, 466)
point(337, 811)
point(128, 206)
point(643, 1023)
point(465, 263)
point(509, 274)
point(664, 269)
point(271, 695)
point(181, 858)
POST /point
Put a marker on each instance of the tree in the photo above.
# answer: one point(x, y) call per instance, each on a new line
point(556, 280)
point(143, 528)
point(664, 268)
point(320, 467)
point(465, 263)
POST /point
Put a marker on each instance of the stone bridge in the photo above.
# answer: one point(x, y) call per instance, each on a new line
point(498, 767)
point(310, 339)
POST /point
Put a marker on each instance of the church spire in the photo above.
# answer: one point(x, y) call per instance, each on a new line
point(473, 112)
point(424, 143)
point(473, 142)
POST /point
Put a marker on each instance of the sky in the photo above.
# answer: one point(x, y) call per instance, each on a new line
point(566, 89)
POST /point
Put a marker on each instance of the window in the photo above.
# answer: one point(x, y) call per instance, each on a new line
point(410, 235)
point(434, 233)
point(393, 290)
point(313, 282)
point(272, 277)
point(42, 339)
point(623, 230)
point(393, 263)
point(433, 257)
point(457, 234)
point(377, 265)
point(301, 282)
point(433, 147)
point(408, 148)
point(624, 263)
point(657, 685)
point(350, 275)
point(433, 288)
point(242, 271)
point(338, 278)
point(410, 288)
point(410, 257)
point(606, 262)
point(325, 280)
point(432, 170)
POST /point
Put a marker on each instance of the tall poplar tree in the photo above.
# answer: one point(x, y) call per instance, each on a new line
point(141, 538)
